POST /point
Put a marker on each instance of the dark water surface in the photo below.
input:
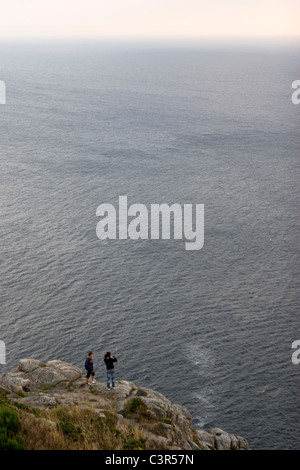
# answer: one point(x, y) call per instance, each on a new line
point(211, 329)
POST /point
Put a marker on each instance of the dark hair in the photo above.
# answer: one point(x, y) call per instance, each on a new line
point(90, 353)
point(107, 355)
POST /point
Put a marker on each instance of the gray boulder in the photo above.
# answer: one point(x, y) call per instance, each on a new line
point(69, 372)
point(40, 400)
point(193, 445)
point(243, 444)
point(207, 440)
point(34, 374)
point(29, 365)
point(222, 439)
point(53, 373)
point(14, 382)
point(217, 439)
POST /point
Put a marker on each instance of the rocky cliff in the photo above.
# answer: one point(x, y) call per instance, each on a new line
point(57, 410)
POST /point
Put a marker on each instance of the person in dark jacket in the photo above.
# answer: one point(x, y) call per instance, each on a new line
point(109, 360)
point(89, 366)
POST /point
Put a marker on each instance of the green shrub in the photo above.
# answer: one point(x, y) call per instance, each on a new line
point(134, 404)
point(99, 423)
point(71, 430)
point(137, 408)
point(3, 397)
point(9, 420)
point(132, 443)
point(9, 426)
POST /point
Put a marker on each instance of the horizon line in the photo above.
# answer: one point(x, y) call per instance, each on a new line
point(157, 40)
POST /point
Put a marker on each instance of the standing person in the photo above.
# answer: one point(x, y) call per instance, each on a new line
point(89, 366)
point(109, 360)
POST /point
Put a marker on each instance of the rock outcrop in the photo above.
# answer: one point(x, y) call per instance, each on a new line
point(164, 423)
point(33, 374)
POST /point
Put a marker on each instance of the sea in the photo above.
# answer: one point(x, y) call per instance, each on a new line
point(208, 123)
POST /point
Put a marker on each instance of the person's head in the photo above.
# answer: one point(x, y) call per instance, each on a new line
point(107, 355)
point(90, 354)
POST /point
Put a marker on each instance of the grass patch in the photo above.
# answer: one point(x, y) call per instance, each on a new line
point(75, 432)
point(134, 440)
point(134, 444)
point(70, 427)
point(134, 404)
point(30, 409)
point(136, 409)
point(22, 406)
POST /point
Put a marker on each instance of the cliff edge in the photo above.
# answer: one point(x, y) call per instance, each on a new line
point(54, 409)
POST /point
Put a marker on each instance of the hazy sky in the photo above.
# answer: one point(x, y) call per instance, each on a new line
point(149, 18)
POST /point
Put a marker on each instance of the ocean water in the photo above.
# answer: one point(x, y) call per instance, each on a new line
point(214, 125)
